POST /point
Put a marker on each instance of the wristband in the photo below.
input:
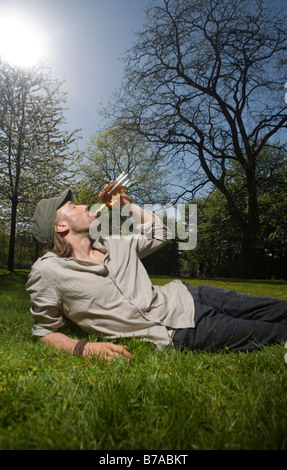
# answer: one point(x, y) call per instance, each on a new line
point(79, 348)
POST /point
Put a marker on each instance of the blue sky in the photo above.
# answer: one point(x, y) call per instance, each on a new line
point(84, 41)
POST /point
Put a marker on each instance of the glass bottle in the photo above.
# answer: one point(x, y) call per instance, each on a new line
point(115, 188)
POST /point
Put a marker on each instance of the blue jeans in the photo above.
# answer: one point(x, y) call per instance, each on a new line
point(227, 320)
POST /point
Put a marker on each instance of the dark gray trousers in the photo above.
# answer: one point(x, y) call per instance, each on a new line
point(227, 320)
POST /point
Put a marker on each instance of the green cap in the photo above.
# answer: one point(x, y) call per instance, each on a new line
point(44, 217)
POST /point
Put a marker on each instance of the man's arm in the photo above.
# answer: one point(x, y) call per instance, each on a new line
point(46, 310)
point(152, 233)
point(105, 350)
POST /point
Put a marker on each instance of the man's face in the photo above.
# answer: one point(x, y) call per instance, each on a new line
point(77, 217)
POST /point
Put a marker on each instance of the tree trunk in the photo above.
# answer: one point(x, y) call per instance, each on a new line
point(11, 254)
point(247, 259)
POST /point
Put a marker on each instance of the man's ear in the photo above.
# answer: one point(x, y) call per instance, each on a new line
point(62, 226)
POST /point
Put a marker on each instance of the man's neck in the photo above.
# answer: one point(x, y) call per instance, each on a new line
point(83, 250)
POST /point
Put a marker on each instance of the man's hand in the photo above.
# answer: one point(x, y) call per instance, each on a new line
point(121, 197)
point(107, 351)
point(104, 350)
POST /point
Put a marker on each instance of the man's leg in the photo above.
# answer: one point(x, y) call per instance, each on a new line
point(215, 331)
point(249, 307)
point(227, 320)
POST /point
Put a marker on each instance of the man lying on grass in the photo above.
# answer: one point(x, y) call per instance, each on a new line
point(102, 286)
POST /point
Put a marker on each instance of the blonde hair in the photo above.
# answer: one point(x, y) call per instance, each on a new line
point(61, 247)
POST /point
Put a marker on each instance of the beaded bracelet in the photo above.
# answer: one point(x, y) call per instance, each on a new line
point(79, 348)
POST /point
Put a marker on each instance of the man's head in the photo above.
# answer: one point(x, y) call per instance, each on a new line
point(43, 221)
point(73, 219)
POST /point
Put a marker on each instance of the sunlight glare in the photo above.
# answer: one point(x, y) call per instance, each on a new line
point(20, 46)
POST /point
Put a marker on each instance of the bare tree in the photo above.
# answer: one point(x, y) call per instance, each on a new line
point(205, 83)
point(34, 147)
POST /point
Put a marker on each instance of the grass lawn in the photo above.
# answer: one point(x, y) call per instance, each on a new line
point(160, 400)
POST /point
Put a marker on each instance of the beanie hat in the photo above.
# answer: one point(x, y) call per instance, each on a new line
point(43, 220)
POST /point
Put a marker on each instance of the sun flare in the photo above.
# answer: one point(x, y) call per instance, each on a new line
point(20, 46)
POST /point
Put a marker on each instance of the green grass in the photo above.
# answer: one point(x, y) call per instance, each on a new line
point(159, 400)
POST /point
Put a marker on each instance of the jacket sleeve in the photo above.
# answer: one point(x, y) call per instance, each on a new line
point(45, 304)
point(152, 236)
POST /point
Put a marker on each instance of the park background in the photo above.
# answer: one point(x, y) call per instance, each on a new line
point(196, 113)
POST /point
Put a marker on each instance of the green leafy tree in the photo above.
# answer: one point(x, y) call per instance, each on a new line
point(273, 209)
point(34, 147)
point(108, 154)
point(113, 151)
point(219, 240)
